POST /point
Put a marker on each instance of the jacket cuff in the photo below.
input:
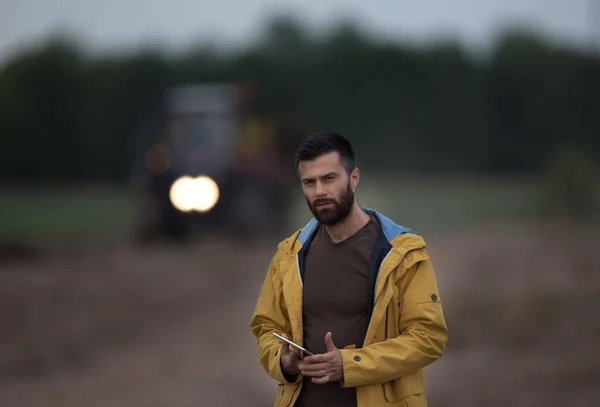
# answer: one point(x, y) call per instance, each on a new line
point(350, 363)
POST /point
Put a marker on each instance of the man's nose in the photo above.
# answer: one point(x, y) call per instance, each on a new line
point(319, 190)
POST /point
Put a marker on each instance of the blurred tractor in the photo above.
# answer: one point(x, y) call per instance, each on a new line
point(205, 162)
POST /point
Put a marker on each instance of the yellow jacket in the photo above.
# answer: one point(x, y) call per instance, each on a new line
point(406, 332)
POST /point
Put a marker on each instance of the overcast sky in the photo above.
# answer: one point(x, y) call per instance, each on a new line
point(104, 23)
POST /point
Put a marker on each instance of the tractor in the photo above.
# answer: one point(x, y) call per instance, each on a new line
point(206, 162)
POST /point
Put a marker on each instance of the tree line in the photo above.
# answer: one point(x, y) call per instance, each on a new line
point(69, 115)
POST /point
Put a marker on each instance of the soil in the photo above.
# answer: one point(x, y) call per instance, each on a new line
point(167, 325)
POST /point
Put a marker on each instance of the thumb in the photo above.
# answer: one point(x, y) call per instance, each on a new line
point(284, 346)
point(329, 342)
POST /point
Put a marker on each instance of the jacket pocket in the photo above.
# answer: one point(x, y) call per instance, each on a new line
point(399, 389)
point(428, 304)
point(417, 400)
point(285, 394)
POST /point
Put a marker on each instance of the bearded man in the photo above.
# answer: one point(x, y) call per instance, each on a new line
point(352, 287)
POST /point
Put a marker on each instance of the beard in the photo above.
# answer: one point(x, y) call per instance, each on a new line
point(331, 216)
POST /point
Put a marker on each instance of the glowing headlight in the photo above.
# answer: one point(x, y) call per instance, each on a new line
point(194, 194)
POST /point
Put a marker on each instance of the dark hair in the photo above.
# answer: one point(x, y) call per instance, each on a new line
point(327, 142)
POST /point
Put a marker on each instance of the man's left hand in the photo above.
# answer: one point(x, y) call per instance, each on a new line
point(326, 367)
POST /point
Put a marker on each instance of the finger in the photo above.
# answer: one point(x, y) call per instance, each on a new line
point(295, 353)
point(317, 373)
point(320, 380)
point(314, 367)
point(329, 342)
point(316, 358)
point(285, 348)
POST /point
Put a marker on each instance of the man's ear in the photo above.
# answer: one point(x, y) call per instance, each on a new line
point(355, 178)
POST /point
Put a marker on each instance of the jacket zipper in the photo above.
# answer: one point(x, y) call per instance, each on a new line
point(298, 269)
point(379, 272)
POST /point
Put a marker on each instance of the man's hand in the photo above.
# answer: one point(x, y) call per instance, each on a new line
point(289, 358)
point(327, 367)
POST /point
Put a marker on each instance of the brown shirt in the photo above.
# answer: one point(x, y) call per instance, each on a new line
point(336, 300)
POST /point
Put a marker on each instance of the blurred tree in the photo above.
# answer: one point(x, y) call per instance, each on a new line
point(538, 97)
point(40, 113)
point(117, 89)
point(66, 115)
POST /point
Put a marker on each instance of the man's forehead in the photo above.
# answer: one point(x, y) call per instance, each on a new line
point(321, 165)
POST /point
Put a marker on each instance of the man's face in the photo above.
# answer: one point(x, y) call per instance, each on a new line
point(328, 188)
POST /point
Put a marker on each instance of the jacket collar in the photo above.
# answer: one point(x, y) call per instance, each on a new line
point(389, 229)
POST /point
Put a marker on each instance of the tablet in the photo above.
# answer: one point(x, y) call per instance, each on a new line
point(294, 344)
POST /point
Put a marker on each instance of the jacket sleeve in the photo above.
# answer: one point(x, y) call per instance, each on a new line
point(422, 339)
point(270, 315)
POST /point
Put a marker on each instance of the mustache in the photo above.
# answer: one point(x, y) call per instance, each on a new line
point(324, 201)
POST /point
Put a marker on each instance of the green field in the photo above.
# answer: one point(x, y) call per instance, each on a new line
point(108, 213)
point(87, 213)
point(426, 204)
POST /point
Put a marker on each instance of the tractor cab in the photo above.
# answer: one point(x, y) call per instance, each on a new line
point(207, 164)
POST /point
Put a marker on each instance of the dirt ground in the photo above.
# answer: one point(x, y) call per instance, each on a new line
point(168, 326)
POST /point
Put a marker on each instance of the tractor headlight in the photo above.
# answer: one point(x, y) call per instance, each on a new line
point(199, 194)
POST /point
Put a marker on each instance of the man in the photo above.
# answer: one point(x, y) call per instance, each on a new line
point(352, 287)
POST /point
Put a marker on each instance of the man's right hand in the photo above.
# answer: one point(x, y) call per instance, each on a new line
point(289, 358)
